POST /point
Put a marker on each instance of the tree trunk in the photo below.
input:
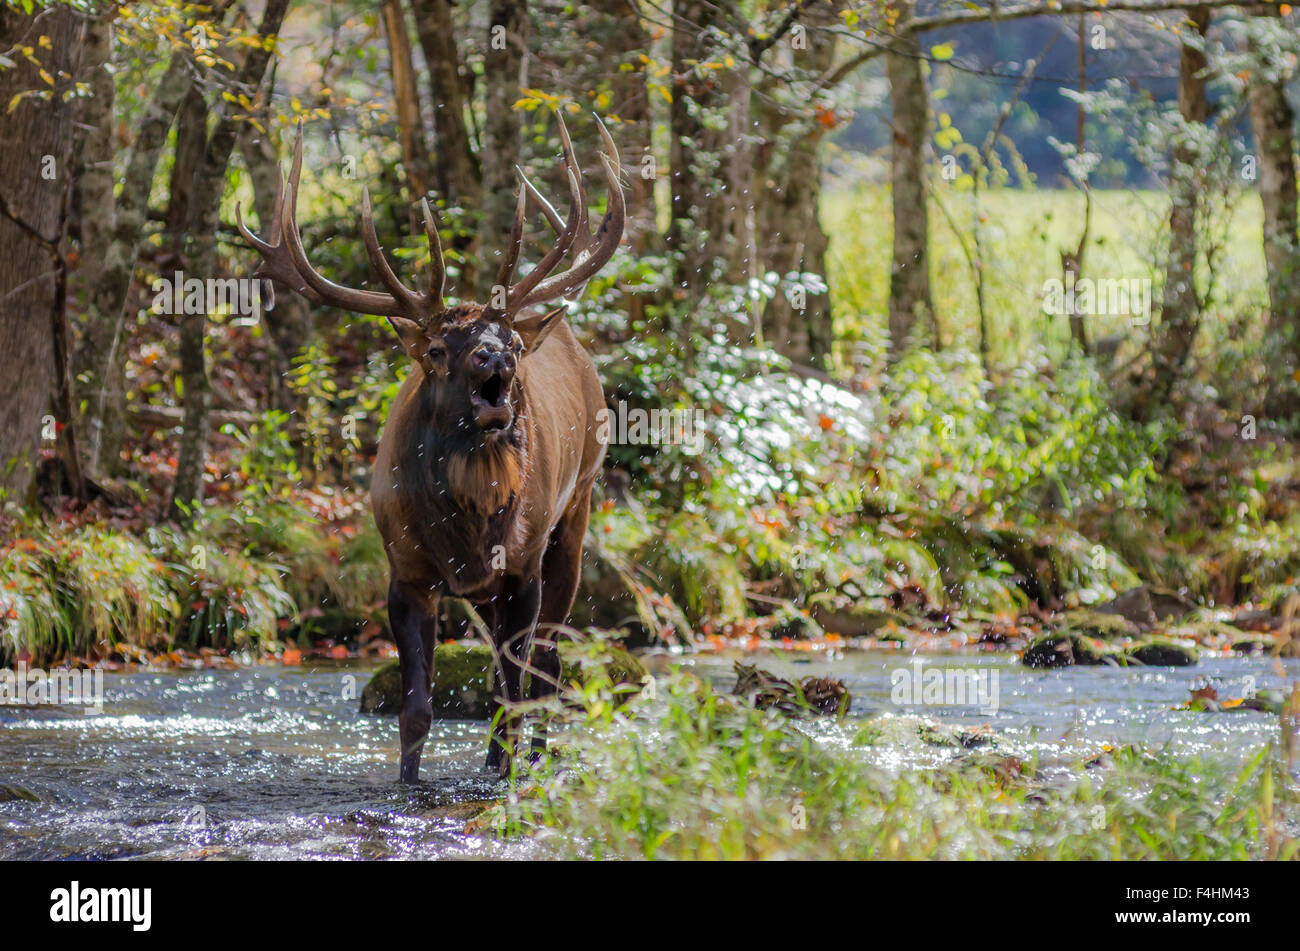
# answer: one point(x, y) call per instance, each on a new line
point(288, 321)
point(415, 152)
point(101, 359)
point(502, 132)
point(1180, 306)
point(911, 309)
point(94, 185)
point(457, 172)
point(34, 168)
point(787, 170)
point(624, 39)
point(200, 258)
point(712, 228)
point(1272, 121)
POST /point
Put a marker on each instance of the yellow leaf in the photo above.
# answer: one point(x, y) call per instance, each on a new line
point(49, 80)
point(44, 42)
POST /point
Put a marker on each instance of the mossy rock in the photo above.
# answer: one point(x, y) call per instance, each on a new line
point(10, 792)
point(462, 684)
point(1254, 644)
point(1266, 701)
point(1146, 605)
point(1208, 633)
point(1098, 624)
point(462, 679)
point(1066, 649)
point(945, 734)
point(621, 667)
point(984, 766)
point(838, 615)
point(795, 624)
point(1162, 652)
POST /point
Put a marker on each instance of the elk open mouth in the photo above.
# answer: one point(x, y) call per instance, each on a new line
point(492, 404)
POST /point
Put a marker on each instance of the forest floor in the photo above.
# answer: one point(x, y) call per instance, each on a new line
point(1128, 591)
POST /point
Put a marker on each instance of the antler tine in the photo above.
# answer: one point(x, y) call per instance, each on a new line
point(277, 262)
point(546, 265)
point(327, 292)
point(570, 159)
point(415, 303)
point(592, 253)
point(548, 209)
point(511, 260)
point(437, 267)
point(258, 244)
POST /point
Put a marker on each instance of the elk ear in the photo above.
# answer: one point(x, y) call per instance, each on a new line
point(414, 340)
point(534, 330)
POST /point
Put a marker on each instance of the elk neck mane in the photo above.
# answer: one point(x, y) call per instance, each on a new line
point(456, 466)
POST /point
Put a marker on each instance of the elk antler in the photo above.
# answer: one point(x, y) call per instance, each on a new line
point(284, 259)
point(591, 252)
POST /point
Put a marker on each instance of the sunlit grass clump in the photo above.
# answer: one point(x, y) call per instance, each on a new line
point(233, 580)
point(695, 774)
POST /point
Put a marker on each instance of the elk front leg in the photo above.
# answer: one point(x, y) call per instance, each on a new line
point(516, 621)
point(561, 571)
point(415, 629)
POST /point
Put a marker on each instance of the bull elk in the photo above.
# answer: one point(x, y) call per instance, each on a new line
point(483, 479)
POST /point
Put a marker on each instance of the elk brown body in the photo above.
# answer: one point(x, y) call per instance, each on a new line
point(483, 479)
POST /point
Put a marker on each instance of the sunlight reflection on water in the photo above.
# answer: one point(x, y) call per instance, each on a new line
point(267, 762)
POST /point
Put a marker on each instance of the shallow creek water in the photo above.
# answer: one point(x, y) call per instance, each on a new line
point(276, 762)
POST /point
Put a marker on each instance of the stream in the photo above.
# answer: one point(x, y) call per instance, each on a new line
point(268, 762)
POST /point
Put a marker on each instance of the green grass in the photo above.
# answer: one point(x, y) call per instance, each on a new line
point(696, 775)
point(230, 581)
point(1027, 230)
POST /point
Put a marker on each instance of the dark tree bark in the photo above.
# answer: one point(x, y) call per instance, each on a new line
point(1272, 122)
point(34, 169)
point(787, 176)
point(507, 50)
point(415, 151)
point(94, 185)
point(911, 307)
point(457, 173)
point(631, 103)
point(1180, 310)
point(712, 160)
point(288, 321)
point(200, 258)
point(101, 357)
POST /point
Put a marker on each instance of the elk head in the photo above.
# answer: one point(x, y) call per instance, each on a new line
point(468, 352)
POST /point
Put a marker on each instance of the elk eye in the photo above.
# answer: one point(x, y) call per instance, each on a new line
point(437, 352)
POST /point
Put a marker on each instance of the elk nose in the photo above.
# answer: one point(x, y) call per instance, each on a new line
point(487, 362)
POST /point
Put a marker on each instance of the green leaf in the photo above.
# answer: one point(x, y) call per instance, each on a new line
point(942, 51)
